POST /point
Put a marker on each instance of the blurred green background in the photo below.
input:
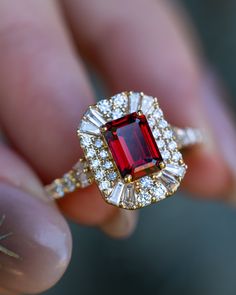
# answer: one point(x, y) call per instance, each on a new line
point(183, 245)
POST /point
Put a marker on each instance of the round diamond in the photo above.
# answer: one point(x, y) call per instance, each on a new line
point(103, 154)
point(99, 174)
point(104, 185)
point(59, 189)
point(117, 113)
point(159, 192)
point(108, 165)
point(177, 156)
point(160, 143)
point(151, 122)
point(112, 175)
point(156, 133)
point(84, 180)
point(157, 114)
point(172, 145)
point(119, 100)
point(91, 153)
point(165, 155)
point(162, 124)
point(69, 183)
point(85, 141)
point(98, 143)
point(144, 198)
point(104, 106)
point(168, 134)
point(146, 182)
point(96, 163)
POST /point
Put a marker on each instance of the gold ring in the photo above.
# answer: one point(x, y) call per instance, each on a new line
point(130, 151)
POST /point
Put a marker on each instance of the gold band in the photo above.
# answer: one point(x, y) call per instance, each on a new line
point(78, 177)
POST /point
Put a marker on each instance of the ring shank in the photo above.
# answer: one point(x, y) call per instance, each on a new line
point(187, 137)
point(80, 176)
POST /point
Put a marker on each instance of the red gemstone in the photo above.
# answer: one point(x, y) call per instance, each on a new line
point(133, 146)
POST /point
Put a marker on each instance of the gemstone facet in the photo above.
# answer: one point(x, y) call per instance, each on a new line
point(133, 146)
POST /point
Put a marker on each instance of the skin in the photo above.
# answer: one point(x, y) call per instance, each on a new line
point(45, 89)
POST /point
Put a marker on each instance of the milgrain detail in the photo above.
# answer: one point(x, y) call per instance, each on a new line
point(3, 249)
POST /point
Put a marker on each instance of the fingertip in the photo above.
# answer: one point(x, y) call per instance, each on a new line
point(122, 225)
point(87, 206)
point(208, 176)
point(36, 249)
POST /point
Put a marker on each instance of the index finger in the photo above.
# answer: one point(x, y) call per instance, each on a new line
point(145, 47)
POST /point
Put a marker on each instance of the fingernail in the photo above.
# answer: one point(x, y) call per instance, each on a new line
point(35, 242)
point(221, 120)
point(121, 225)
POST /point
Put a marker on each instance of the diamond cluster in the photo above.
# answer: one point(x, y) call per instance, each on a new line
point(100, 161)
point(164, 136)
point(115, 189)
point(114, 108)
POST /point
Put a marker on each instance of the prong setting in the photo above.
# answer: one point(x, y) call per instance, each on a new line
point(140, 113)
point(128, 178)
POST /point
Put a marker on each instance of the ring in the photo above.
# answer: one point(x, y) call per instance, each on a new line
point(130, 151)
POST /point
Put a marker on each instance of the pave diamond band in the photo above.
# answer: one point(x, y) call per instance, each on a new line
point(130, 151)
point(187, 137)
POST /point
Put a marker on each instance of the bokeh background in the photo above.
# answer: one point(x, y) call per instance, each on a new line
point(183, 245)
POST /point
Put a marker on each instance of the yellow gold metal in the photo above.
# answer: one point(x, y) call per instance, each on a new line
point(128, 178)
point(103, 129)
point(140, 113)
point(155, 176)
point(162, 165)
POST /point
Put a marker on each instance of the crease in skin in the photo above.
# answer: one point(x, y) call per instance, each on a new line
point(3, 249)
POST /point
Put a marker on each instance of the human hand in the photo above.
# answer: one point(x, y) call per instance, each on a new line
point(135, 45)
